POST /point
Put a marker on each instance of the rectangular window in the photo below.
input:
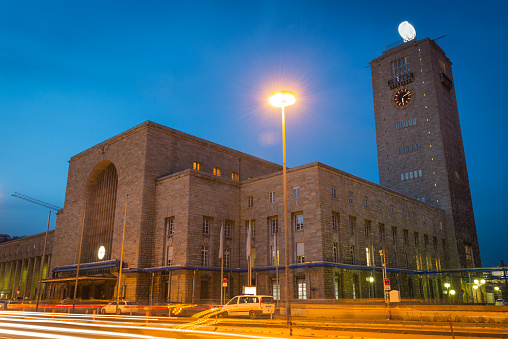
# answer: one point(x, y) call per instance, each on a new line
point(416, 239)
point(227, 258)
point(275, 290)
point(392, 211)
point(351, 197)
point(250, 201)
point(274, 225)
point(415, 173)
point(352, 221)
point(352, 253)
point(365, 202)
point(400, 152)
point(402, 177)
point(425, 240)
point(253, 256)
point(235, 176)
point(410, 175)
point(405, 123)
point(403, 150)
point(196, 165)
point(334, 192)
point(381, 232)
point(414, 121)
point(335, 221)
point(403, 214)
point(400, 70)
point(216, 171)
point(252, 228)
point(406, 236)
point(367, 254)
point(299, 222)
point(206, 225)
point(379, 206)
point(227, 230)
point(409, 122)
point(296, 192)
point(423, 220)
point(204, 256)
point(394, 235)
point(367, 227)
point(271, 197)
point(416, 147)
point(335, 252)
point(170, 225)
point(420, 173)
point(407, 149)
point(434, 243)
point(169, 256)
point(412, 148)
point(407, 176)
point(302, 288)
point(441, 224)
point(274, 263)
point(300, 253)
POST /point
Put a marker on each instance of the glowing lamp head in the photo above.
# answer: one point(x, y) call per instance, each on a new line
point(482, 281)
point(496, 288)
point(476, 281)
point(371, 279)
point(282, 99)
point(452, 292)
point(407, 31)
point(447, 285)
point(475, 287)
point(101, 253)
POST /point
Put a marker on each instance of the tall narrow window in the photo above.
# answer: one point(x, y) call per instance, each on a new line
point(300, 252)
point(367, 227)
point(196, 165)
point(296, 192)
point(379, 208)
point(274, 225)
point(204, 256)
point(335, 252)
point(227, 258)
point(367, 254)
point(416, 239)
point(250, 201)
point(299, 222)
point(275, 256)
point(335, 221)
point(394, 235)
point(351, 197)
point(169, 256)
point(352, 253)
point(235, 176)
point(253, 228)
point(271, 197)
point(275, 289)
point(253, 256)
point(334, 192)
point(216, 171)
point(365, 202)
point(352, 221)
point(381, 232)
point(170, 225)
point(206, 225)
point(227, 229)
point(406, 236)
point(302, 288)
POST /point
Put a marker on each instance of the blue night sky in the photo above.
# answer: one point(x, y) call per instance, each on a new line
point(73, 74)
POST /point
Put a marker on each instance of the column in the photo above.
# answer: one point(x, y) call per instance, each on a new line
point(35, 278)
point(14, 286)
point(27, 277)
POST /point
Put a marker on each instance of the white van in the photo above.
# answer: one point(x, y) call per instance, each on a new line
point(253, 306)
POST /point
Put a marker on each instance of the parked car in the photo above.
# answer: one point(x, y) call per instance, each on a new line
point(501, 302)
point(124, 307)
point(253, 306)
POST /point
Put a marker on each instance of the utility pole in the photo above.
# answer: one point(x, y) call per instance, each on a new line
point(385, 278)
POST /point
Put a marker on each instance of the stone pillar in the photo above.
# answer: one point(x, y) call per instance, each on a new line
point(35, 278)
point(27, 276)
point(14, 285)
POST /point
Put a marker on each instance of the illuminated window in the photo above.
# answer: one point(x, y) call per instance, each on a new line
point(271, 197)
point(367, 254)
point(253, 256)
point(302, 288)
point(335, 221)
point(204, 256)
point(227, 258)
point(275, 289)
point(206, 225)
point(235, 176)
point(298, 222)
point(216, 171)
point(250, 201)
point(296, 192)
point(169, 255)
point(196, 166)
point(300, 253)
point(274, 262)
point(170, 225)
point(227, 229)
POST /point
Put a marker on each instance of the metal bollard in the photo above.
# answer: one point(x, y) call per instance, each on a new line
point(53, 317)
point(93, 317)
point(147, 312)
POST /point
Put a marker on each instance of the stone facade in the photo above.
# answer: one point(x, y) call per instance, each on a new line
point(173, 192)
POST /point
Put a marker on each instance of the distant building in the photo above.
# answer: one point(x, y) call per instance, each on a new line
point(182, 190)
point(4, 238)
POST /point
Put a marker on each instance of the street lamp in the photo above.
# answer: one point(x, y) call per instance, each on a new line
point(452, 293)
point(282, 99)
point(447, 285)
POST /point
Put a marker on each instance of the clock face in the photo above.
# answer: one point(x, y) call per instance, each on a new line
point(102, 252)
point(402, 98)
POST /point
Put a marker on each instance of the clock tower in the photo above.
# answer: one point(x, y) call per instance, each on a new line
point(419, 140)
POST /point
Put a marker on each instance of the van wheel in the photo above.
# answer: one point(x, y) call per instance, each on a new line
point(252, 315)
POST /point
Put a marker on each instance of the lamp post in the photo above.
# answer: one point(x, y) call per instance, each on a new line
point(283, 99)
point(452, 293)
point(447, 285)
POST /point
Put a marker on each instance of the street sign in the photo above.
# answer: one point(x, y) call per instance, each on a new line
point(387, 281)
point(225, 280)
point(224, 284)
point(387, 288)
